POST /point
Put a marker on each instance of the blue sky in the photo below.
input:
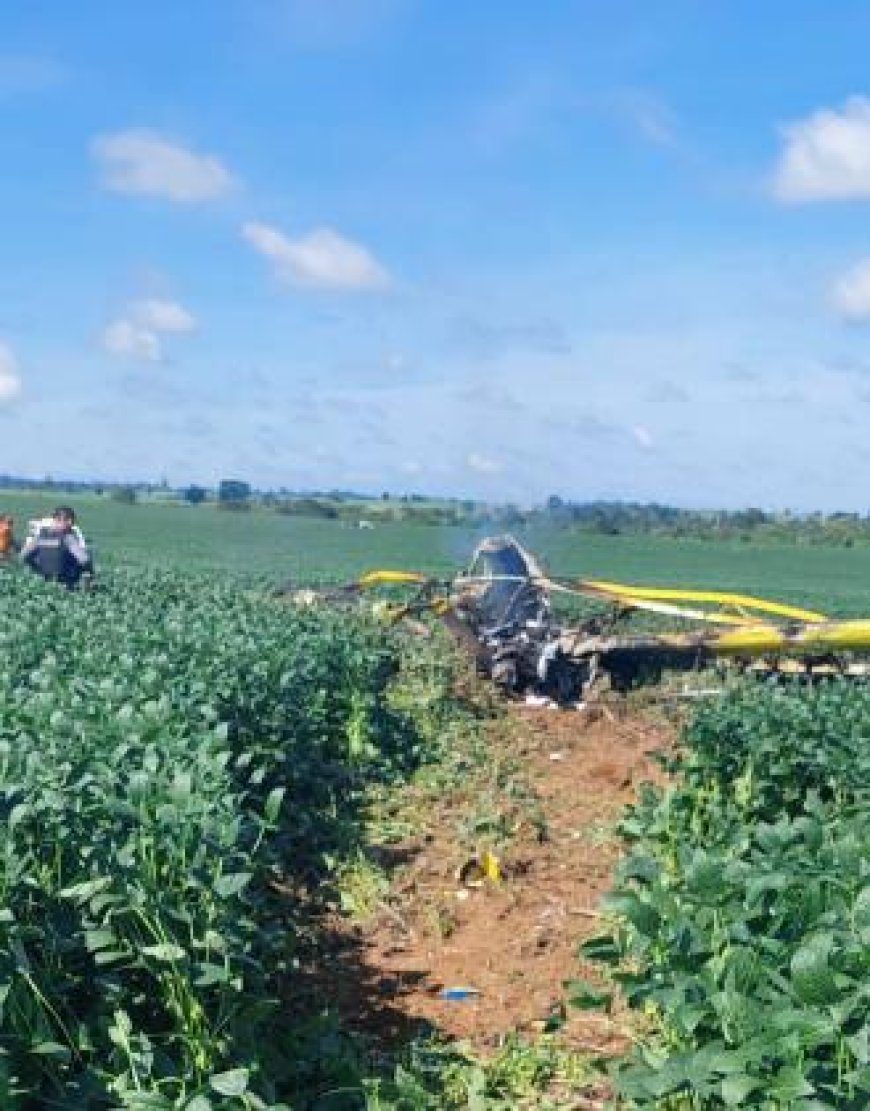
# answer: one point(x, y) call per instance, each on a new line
point(495, 249)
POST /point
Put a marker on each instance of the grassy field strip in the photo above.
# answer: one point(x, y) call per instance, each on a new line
point(268, 546)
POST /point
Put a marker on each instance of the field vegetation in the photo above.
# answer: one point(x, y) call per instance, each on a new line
point(267, 547)
point(179, 762)
point(742, 912)
point(186, 764)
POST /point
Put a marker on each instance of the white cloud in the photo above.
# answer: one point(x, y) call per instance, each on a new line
point(128, 340)
point(146, 163)
point(397, 361)
point(482, 464)
point(642, 436)
point(163, 316)
point(322, 259)
point(137, 334)
point(10, 378)
point(850, 295)
point(827, 155)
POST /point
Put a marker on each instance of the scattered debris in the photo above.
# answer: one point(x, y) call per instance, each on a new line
point(477, 869)
point(458, 995)
point(501, 610)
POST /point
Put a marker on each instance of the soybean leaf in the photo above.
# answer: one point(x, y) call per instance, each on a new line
point(165, 951)
point(231, 1083)
point(812, 975)
point(586, 996)
point(735, 1088)
point(232, 883)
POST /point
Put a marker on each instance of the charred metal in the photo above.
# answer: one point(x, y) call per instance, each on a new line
point(501, 609)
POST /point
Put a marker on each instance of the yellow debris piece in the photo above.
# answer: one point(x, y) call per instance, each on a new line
point(491, 866)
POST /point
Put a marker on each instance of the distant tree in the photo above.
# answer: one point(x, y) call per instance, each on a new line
point(308, 507)
point(554, 502)
point(125, 495)
point(510, 516)
point(195, 495)
point(233, 494)
point(750, 518)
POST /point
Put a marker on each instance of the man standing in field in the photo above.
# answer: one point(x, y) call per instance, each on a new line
point(57, 550)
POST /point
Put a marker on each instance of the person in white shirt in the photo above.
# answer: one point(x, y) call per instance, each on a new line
point(57, 550)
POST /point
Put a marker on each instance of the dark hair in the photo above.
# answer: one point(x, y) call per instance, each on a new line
point(65, 511)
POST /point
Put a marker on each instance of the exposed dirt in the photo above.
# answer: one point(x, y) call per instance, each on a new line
point(513, 941)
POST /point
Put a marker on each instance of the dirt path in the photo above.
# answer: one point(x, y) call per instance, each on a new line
point(515, 941)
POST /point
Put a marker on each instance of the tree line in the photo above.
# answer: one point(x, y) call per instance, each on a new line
point(607, 518)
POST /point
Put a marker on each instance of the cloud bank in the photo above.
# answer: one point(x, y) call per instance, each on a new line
point(140, 162)
point(322, 259)
point(826, 155)
point(138, 334)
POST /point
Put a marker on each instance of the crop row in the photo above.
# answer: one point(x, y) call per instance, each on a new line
point(742, 911)
point(169, 749)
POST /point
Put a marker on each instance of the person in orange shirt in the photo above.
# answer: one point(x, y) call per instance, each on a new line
point(8, 544)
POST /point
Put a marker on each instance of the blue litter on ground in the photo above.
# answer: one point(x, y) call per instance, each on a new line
point(457, 995)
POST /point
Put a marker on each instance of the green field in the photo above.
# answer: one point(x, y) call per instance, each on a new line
point(171, 747)
point(174, 743)
point(261, 544)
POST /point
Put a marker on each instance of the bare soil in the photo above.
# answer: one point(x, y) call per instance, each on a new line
point(514, 941)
